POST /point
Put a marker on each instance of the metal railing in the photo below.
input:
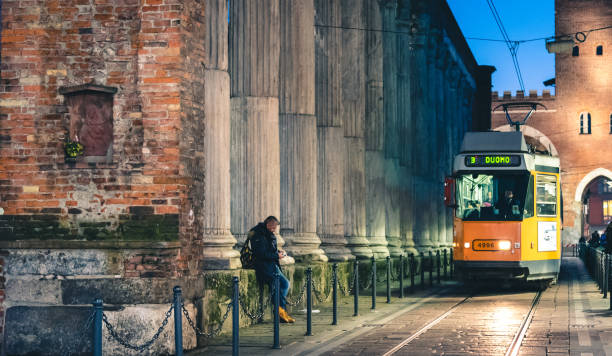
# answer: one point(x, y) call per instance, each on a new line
point(406, 269)
point(597, 262)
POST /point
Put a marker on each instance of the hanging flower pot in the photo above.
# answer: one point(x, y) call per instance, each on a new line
point(73, 150)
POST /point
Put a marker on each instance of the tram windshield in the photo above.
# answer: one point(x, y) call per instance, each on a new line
point(494, 197)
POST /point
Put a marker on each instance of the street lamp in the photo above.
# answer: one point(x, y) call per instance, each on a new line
point(559, 45)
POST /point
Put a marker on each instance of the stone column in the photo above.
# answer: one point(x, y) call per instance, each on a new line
point(353, 112)
point(431, 116)
point(254, 67)
point(330, 134)
point(421, 147)
point(298, 131)
point(405, 129)
point(374, 135)
point(442, 168)
point(218, 242)
point(394, 183)
point(450, 133)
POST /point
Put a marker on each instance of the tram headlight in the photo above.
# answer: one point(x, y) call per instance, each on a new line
point(466, 245)
point(504, 245)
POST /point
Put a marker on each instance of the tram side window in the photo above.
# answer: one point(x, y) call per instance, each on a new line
point(528, 212)
point(546, 195)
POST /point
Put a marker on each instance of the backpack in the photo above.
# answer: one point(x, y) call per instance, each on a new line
point(247, 257)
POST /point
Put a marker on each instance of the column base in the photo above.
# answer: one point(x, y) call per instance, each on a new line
point(395, 246)
point(379, 246)
point(218, 253)
point(360, 247)
point(304, 247)
point(335, 248)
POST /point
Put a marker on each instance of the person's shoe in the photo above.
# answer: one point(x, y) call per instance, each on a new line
point(284, 317)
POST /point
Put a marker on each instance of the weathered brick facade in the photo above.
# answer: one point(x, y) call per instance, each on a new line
point(582, 86)
point(133, 47)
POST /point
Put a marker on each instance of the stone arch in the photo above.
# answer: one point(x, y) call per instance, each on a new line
point(535, 133)
point(588, 178)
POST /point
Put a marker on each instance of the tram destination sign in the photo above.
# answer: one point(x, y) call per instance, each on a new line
point(493, 160)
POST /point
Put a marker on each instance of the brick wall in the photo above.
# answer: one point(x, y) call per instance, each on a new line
point(135, 46)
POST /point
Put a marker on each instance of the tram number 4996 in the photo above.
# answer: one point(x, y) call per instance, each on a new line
point(484, 245)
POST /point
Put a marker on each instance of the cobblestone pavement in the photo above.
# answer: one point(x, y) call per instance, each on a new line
point(572, 318)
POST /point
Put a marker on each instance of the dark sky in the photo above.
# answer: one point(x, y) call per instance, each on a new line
point(523, 19)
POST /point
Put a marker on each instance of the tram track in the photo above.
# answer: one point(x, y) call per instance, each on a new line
point(512, 350)
point(515, 346)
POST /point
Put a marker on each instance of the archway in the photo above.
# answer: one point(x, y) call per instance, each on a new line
point(538, 139)
point(589, 201)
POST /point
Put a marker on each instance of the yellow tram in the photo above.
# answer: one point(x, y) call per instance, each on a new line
point(507, 209)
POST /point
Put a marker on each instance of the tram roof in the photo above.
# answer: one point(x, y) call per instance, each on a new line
point(494, 141)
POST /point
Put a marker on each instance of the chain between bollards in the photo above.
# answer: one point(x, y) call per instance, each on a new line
point(356, 288)
point(373, 283)
point(276, 316)
point(178, 321)
point(309, 301)
point(401, 279)
point(335, 294)
point(388, 279)
point(97, 337)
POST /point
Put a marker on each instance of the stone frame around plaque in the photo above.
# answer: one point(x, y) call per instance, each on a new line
point(90, 120)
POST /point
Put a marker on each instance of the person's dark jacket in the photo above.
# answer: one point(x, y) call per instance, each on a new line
point(505, 206)
point(265, 250)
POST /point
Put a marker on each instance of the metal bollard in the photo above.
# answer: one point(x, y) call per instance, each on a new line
point(276, 306)
point(411, 264)
point(430, 268)
point(388, 279)
point(422, 270)
point(308, 301)
point(438, 265)
point(452, 265)
point(178, 321)
point(97, 336)
point(235, 319)
point(445, 265)
point(356, 288)
point(335, 293)
point(373, 283)
point(606, 275)
point(401, 277)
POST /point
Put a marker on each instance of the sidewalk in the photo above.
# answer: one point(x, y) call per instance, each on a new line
point(572, 315)
point(258, 339)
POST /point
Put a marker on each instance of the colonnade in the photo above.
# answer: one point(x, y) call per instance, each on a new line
point(344, 117)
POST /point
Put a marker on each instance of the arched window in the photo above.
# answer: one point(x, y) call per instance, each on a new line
point(599, 50)
point(585, 127)
point(575, 51)
point(611, 123)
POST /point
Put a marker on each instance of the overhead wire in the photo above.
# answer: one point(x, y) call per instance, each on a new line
point(572, 34)
point(512, 45)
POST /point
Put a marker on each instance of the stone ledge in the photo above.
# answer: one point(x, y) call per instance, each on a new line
point(78, 244)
